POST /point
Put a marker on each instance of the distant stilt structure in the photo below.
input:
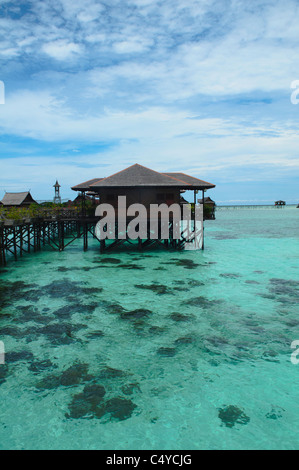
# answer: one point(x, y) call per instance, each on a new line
point(280, 203)
point(57, 197)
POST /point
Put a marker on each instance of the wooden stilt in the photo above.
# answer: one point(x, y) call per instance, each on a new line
point(61, 235)
point(28, 238)
point(15, 244)
point(21, 240)
point(203, 238)
point(102, 246)
point(85, 236)
point(2, 246)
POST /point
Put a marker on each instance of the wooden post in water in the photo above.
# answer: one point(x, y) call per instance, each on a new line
point(44, 232)
point(38, 235)
point(203, 238)
point(61, 235)
point(28, 238)
point(14, 241)
point(85, 236)
point(2, 246)
point(102, 245)
point(21, 239)
point(139, 244)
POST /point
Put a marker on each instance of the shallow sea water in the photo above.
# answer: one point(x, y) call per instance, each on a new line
point(156, 350)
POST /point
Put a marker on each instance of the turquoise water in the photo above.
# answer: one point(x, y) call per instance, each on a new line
point(161, 350)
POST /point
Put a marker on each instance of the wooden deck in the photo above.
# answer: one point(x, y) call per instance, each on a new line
point(29, 236)
point(19, 237)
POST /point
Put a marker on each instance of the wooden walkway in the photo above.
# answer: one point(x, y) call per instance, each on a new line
point(59, 231)
point(19, 237)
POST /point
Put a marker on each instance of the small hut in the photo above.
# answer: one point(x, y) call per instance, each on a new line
point(280, 203)
point(141, 185)
point(18, 199)
point(209, 208)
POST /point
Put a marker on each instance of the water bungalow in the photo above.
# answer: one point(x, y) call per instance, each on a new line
point(143, 186)
point(209, 208)
point(280, 203)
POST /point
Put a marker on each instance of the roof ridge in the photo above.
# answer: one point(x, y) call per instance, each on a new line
point(141, 166)
point(173, 178)
point(107, 177)
point(19, 192)
point(189, 176)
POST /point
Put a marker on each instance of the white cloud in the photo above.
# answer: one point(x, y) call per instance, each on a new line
point(61, 50)
point(8, 52)
point(134, 45)
point(137, 71)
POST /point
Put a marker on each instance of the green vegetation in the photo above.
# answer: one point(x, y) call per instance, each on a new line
point(48, 209)
point(208, 211)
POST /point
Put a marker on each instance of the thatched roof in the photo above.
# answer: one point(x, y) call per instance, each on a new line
point(206, 200)
point(140, 176)
point(17, 199)
point(190, 180)
point(85, 186)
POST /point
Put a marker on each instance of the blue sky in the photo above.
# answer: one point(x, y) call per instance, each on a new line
point(197, 86)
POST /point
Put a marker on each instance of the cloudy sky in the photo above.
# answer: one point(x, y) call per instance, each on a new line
point(198, 86)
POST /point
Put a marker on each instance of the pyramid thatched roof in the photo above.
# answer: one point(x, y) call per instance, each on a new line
point(140, 176)
point(86, 185)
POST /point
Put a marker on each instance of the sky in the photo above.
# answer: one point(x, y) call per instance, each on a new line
point(201, 87)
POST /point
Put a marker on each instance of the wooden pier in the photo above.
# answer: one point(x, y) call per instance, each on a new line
point(19, 237)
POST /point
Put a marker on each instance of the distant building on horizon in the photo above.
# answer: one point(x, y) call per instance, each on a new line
point(280, 203)
point(209, 207)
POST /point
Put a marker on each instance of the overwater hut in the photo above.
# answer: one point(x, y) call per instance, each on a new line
point(143, 186)
point(280, 203)
point(23, 199)
point(209, 208)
